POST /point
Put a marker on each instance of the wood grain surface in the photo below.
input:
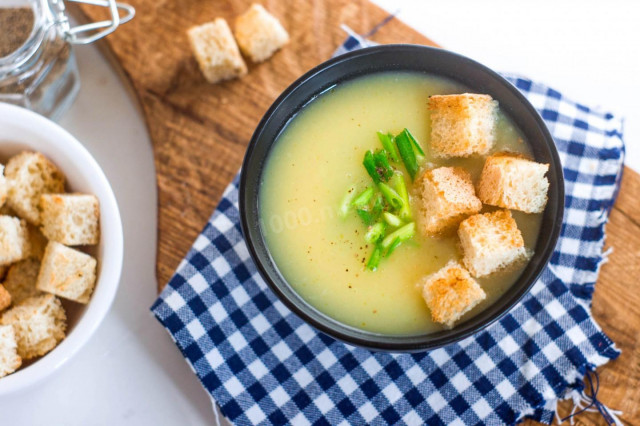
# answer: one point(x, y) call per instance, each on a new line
point(200, 131)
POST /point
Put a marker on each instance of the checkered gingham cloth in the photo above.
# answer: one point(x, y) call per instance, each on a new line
point(263, 364)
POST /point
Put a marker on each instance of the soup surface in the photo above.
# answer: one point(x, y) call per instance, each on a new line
point(317, 158)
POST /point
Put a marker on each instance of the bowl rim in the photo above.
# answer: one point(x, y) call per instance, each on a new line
point(397, 345)
point(108, 279)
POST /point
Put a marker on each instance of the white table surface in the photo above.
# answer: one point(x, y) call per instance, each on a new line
point(131, 373)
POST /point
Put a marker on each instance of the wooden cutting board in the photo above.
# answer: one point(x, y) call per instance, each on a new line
point(200, 131)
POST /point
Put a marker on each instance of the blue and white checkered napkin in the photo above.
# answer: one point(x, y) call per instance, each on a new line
point(263, 364)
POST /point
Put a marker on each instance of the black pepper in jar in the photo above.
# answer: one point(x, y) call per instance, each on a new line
point(38, 69)
point(43, 76)
point(16, 24)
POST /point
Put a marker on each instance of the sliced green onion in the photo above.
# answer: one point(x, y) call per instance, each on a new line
point(397, 182)
point(378, 207)
point(407, 154)
point(415, 143)
point(388, 145)
point(392, 219)
point(370, 164)
point(378, 204)
point(375, 233)
point(363, 198)
point(392, 247)
point(345, 204)
point(365, 216)
point(374, 260)
point(391, 195)
point(382, 164)
point(403, 234)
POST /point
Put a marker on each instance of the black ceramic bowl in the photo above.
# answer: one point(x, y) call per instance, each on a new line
point(479, 79)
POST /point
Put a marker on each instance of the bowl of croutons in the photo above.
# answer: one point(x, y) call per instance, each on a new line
point(61, 247)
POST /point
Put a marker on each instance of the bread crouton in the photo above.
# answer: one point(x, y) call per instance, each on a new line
point(450, 293)
point(490, 242)
point(259, 33)
point(10, 361)
point(14, 244)
point(446, 197)
point(216, 51)
point(5, 298)
point(67, 273)
point(4, 187)
point(514, 183)
point(461, 125)
point(70, 219)
point(31, 174)
point(5, 210)
point(39, 323)
point(37, 242)
point(21, 280)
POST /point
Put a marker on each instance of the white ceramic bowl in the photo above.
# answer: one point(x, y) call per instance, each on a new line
point(21, 130)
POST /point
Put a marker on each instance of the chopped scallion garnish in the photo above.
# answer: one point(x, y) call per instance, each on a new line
point(391, 196)
point(378, 207)
point(392, 219)
point(414, 142)
point(405, 147)
point(374, 260)
point(382, 164)
point(375, 233)
point(363, 198)
point(385, 207)
point(397, 182)
point(365, 216)
point(345, 204)
point(392, 247)
point(370, 164)
point(403, 234)
point(388, 145)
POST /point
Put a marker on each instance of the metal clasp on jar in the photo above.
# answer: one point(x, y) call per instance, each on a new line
point(88, 33)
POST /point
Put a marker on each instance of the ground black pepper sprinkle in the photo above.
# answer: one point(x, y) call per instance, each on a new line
point(16, 24)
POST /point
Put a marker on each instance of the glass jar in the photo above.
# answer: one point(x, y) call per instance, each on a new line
point(41, 73)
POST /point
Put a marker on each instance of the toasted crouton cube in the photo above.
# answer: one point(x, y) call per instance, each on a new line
point(514, 183)
point(491, 242)
point(450, 293)
point(461, 125)
point(259, 33)
point(446, 197)
point(5, 210)
point(5, 298)
point(10, 361)
point(67, 273)
point(4, 187)
point(39, 322)
point(70, 219)
point(216, 51)
point(21, 280)
point(31, 174)
point(37, 242)
point(14, 243)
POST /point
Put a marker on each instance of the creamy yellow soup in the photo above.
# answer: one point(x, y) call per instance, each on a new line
point(311, 166)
